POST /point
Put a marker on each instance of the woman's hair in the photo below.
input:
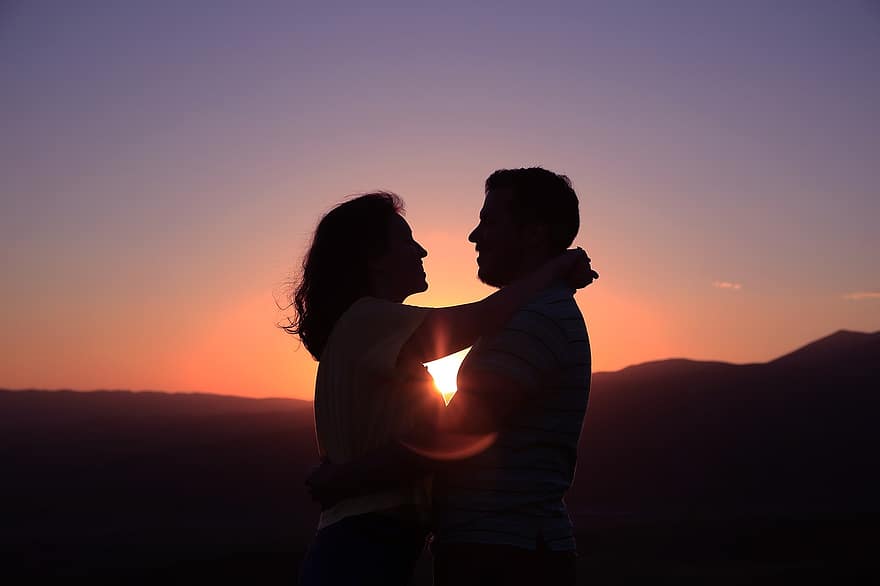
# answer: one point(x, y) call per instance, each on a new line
point(335, 270)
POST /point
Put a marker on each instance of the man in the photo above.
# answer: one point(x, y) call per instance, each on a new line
point(500, 517)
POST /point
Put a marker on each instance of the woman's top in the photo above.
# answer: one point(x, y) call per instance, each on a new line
point(364, 398)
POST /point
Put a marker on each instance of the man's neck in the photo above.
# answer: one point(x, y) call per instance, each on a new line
point(532, 262)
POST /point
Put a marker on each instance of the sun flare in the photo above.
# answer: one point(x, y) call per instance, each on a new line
point(445, 372)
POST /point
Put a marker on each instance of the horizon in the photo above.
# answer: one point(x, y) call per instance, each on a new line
point(674, 464)
point(446, 395)
point(167, 162)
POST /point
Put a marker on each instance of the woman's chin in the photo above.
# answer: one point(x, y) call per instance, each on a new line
point(418, 288)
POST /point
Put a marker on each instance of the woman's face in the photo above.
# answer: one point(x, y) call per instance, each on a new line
point(398, 272)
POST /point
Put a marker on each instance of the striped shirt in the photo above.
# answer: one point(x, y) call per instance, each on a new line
point(512, 493)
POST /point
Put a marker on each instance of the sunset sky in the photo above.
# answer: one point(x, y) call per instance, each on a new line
point(163, 164)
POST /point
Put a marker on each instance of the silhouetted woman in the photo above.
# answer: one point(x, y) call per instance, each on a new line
point(371, 385)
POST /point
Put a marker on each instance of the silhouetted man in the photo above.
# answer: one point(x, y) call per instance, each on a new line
point(500, 517)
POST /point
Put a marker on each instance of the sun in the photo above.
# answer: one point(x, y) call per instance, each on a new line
point(445, 372)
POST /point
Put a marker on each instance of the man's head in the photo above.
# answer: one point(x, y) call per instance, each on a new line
point(528, 216)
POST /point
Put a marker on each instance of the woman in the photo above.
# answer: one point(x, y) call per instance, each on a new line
point(371, 385)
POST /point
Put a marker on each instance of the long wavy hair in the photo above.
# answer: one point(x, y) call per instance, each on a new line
point(335, 269)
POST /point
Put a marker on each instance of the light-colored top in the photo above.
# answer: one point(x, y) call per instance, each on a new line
point(512, 494)
point(364, 398)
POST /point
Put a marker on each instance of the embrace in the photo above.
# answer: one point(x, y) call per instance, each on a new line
point(485, 476)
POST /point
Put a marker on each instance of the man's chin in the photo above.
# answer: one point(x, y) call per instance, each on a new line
point(489, 279)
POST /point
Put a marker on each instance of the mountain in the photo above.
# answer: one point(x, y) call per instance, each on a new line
point(794, 435)
point(115, 481)
point(119, 485)
point(858, 349)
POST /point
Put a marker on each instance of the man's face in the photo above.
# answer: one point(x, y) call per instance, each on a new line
point(498, 241)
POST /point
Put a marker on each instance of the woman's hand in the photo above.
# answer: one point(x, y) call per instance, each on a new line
point(574, 267)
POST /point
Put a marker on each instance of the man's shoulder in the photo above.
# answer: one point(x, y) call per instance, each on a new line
point(554, 304)
point(552, 297)
point(549, 322)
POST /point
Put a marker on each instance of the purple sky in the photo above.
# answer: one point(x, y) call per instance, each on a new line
point(164, 162)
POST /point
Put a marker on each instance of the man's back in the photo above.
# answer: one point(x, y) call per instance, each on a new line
point(512, 494)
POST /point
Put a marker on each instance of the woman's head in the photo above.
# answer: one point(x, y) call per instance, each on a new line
point(362, 247)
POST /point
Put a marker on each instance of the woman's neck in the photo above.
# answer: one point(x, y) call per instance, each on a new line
point(383, 291)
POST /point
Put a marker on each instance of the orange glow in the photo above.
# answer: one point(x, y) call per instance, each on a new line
point(159, 268)
point(456, 447)
point(219, 335)
point(445, 373)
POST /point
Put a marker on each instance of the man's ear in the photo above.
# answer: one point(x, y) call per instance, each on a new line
point(536, 236)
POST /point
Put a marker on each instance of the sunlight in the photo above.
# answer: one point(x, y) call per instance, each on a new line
point(445, 372)
point(456, 446)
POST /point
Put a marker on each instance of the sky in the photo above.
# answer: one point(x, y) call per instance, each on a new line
point(164, 163)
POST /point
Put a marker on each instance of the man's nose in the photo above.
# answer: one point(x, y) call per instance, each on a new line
point(472, 237)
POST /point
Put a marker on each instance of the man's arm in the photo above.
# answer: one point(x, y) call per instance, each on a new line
point(446, 330)
point(483, 403)
point(496, 382)
point(466, 428)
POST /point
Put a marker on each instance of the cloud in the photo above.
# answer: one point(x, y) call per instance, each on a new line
point(862, 295)
point(727, 285)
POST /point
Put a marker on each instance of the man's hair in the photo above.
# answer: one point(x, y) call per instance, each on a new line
point(335, 270)
point(543, 197)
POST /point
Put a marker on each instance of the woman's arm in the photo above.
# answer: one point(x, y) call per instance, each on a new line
point(447, 330)
point(444, 331)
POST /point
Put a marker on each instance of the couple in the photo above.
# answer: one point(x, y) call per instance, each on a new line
point(486, 475)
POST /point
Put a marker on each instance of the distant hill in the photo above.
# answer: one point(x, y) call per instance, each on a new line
point(797, 434)
point(122, 480)
point(859, 350)
point(119, 480)
point(75, 408)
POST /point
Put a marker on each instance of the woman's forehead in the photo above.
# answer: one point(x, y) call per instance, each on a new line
point(398, 225)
